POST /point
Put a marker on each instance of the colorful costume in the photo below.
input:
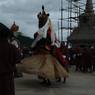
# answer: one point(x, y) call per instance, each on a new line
point(43, 63)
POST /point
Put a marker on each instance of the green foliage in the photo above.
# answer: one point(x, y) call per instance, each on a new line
point(25, 41)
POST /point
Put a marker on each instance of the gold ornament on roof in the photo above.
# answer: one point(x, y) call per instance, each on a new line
point(14, 27)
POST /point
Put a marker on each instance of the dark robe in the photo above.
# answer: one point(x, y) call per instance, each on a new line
point(8, 57)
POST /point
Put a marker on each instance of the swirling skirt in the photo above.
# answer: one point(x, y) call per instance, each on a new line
point(44, 65)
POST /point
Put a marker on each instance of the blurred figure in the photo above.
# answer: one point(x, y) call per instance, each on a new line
point(8, 59)
point(16, 43)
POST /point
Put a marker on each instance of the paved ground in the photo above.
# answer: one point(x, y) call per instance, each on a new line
point(77, 84)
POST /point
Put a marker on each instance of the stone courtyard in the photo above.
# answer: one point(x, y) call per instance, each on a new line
point(77, 84)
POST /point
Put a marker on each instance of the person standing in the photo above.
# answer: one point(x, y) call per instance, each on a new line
point(8, 58)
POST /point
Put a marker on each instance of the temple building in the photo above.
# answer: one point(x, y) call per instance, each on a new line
point(84, 34)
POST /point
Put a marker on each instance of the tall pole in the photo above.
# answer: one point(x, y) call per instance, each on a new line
point(68, 18)
point(58, 31)
point(61, 20)
point(70, 15)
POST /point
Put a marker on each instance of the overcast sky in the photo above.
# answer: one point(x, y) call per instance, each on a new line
point(24, 13)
